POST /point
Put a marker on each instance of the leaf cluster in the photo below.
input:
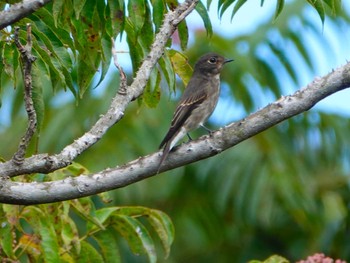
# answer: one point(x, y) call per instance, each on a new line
point(79, 231)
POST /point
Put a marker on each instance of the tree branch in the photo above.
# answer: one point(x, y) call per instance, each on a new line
point(44, 163)
point(20, 10)
point(27, 60)
point(207, 146)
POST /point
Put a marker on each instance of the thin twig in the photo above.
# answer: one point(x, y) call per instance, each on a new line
point(123, 79)
point(27, 60)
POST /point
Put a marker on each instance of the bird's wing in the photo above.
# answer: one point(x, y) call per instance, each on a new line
point(183, 111)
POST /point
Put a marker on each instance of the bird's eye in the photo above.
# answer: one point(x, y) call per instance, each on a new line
point(212, 60)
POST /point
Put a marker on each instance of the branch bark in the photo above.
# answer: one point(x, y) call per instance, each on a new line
point(44, 163)
point(20, 10)
point(27, 60)
point(205, 147)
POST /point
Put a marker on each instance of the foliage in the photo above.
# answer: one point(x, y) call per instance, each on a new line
point(78, 231)
point(284, 191)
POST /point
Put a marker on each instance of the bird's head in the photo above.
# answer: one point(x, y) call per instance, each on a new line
point(211, 63)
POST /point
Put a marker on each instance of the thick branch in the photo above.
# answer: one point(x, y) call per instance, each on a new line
point(206, 146)
point(27, 60)
point(46, 163)
point(17, 11)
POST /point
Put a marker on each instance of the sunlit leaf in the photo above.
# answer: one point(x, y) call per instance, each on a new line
point(181, 66)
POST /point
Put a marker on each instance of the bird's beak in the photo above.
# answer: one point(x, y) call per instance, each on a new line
point(228, 60)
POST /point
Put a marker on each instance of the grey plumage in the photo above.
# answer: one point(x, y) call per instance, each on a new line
point(197, 102)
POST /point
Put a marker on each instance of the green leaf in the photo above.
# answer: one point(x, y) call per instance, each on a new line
point(7, 59)
point(69, 230)
point(158, 12)
point(108, 245)
point(279, 8)
point(151, 95)
point(147, 36)
point(137, 10)
point(49, 243)
point(297, 41)
point(202, 11)
point(272, 259)
point(6, 238)
point(78, 7)
point(101, 215)
point(164, 227)
point(182, 30)
point(181, 66)
point(268, 76)
point(223, 5)
point(57, 10)
point(137, 236)
point(168, 70)
point(56, 76)
point(159, 220)
point(84, 207)
point(116, 16)
point(45, 22)
point(238, 5)
point(285, 61)
point(89, 254)
point(319, 6)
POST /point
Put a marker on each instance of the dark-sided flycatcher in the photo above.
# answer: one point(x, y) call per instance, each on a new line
point(197, 102)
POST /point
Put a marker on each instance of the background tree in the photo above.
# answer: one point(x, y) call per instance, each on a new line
point(283, 191)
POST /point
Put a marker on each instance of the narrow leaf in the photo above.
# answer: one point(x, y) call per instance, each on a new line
point(319, 6)
point(151, 95)
point(202, 11)
point(279, 8)
point(158, 12)
point(182, 30)
point(168, 70)
point(238, 5)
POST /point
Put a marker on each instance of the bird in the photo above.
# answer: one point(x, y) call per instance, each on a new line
point(197, 102)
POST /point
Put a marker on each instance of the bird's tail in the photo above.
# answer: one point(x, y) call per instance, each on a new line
point(166, 151)
point(169, 142)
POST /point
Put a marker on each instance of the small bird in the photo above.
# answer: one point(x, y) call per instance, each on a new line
point(197, 102)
